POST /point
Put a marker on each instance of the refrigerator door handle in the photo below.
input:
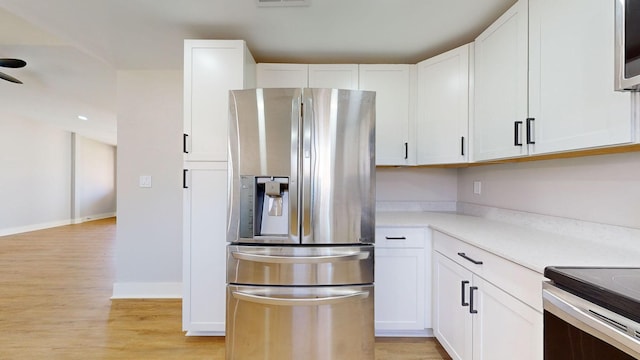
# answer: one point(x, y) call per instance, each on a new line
point(294, 182)
point(307, 161)
point(350, 256)
point(313, 301)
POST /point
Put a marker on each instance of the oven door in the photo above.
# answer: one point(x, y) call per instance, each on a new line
point(576, 329)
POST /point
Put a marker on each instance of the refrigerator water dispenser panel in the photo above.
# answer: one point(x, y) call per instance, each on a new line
point(264, 207)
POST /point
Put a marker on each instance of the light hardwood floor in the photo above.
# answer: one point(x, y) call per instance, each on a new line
point(55, 286)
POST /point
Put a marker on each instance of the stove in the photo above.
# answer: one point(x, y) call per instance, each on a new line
point(591, 313)
point(616, 289)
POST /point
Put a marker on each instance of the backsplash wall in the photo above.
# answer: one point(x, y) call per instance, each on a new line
point(603, 189)
point(416, 185)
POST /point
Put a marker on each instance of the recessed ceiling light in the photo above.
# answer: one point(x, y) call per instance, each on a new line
point(82, 117)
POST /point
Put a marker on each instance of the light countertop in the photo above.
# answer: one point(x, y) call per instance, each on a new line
point(525, 246)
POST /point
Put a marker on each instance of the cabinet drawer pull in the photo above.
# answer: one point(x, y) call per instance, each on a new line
point(516, 133)
point(463, 255)
point(395, 238)
point(530, 130)
point(462, 292)
point(472, 310)
point(184, 179)
point(184, 143)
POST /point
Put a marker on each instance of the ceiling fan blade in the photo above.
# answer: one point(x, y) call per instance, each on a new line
point(9, 78)
point(12, 63)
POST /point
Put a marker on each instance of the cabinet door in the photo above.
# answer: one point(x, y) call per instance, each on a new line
point(392, 84)
point(211, 69)
point(400, 282)
point(442, 123)
point(204, 255)
point(500, 88)
point(452, 322)
point(282, 75)
point(335, 76)
point(504, 328)
point(571, 63)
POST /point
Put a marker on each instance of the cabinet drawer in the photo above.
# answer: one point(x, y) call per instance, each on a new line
point(400, 237)
point(522, 283)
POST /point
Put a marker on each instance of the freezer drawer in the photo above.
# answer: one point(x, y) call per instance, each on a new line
point(299, 265)
point(310, 323)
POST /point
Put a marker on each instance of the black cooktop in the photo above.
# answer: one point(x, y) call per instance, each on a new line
point(614, 288)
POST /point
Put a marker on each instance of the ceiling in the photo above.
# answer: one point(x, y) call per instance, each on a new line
point(74, 48)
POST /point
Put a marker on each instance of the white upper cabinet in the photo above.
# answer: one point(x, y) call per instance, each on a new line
point(282, 76)
point(393, 86)
point(442, 124)
point(500, 88)
point(211, 69)
point(336, 76)
point(571, 62)
point(544, 81)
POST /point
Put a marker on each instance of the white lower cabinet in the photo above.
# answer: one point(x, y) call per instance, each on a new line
point(504, 327)
point(204, 252)
point(452, 323)
point(474, 319)
point(401, 283)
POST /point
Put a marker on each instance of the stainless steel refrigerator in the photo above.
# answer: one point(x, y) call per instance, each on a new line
point(301, 223)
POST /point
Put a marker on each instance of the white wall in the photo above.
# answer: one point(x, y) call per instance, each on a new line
point(149, 234)
point(39, 182)
point(603, 189)
point(416, 184)
point(95, 179)
point(35, 175)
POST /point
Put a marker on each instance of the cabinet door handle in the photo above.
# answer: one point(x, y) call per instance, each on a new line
point(395, 238)
point(516, 133)
point(530, 130)
point(406, 150)
point(184, 143)
point(184, 179)
point(463, 255)
point(462, 145)
point(472, 310)
point(463, 285)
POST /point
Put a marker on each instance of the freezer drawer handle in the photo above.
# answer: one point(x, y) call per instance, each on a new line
point(359, 255)
point(395, 237)
point(463, 255)
point(299, 302)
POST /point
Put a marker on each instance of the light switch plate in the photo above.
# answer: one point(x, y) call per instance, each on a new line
point(145, 181)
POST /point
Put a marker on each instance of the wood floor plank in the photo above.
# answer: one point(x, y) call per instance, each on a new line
point(55, 288)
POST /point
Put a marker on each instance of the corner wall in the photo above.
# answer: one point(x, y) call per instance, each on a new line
point(51, 177)
point(603, 189)
point(35, 180)
point(149, 233)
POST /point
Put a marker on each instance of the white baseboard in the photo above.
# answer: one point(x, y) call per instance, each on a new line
point(52, 224)
point(404, 333)
point(147, 290)
point(93, 217)
point(33, 227)
point(204, 333)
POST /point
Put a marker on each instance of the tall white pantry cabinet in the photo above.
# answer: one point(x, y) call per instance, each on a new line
point(211, 69)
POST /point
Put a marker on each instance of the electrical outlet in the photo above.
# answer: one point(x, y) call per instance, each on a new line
point(145, 181)
point(477, 187)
